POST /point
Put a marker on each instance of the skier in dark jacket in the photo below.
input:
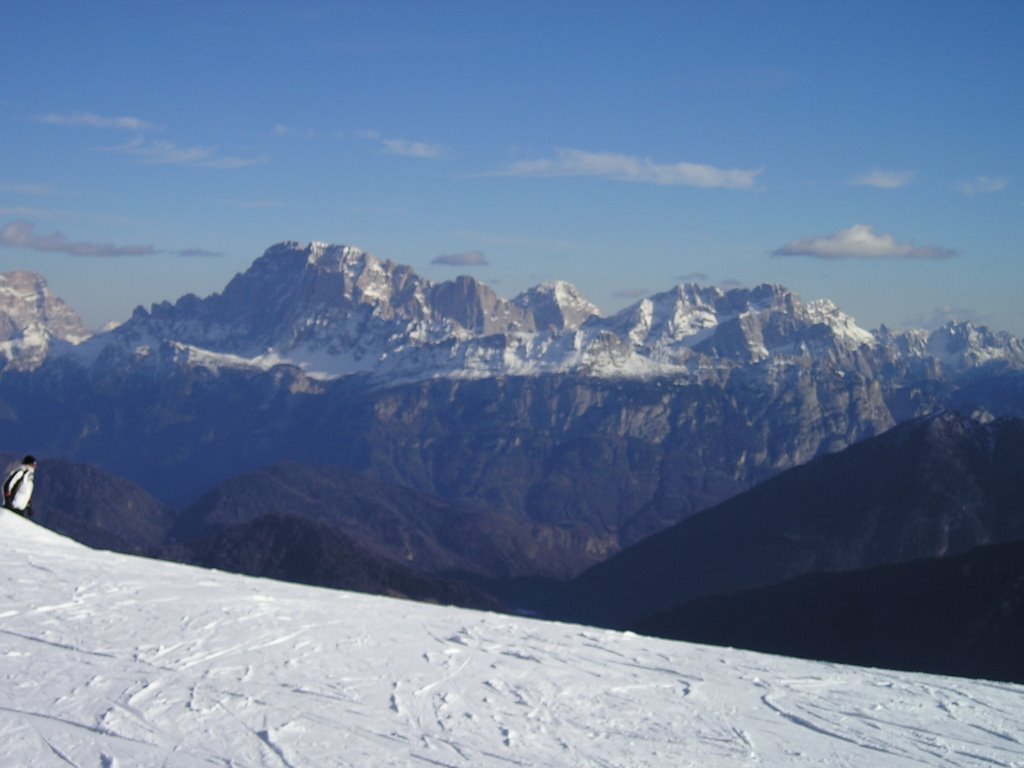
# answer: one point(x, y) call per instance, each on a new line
point(18, 487)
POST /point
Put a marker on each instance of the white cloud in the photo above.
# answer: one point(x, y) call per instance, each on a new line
point(465, 259)
point(26, 189)
point(24, 212)
point(232, 163)
point(21, 234)
point(411, 148)
point(280, 131)
point(859, 242)
point(883, 179)
point(404, 147)
point(162, 152)
point(159, 152)
point(981, 185)
point(96, 121)
point(576, 162)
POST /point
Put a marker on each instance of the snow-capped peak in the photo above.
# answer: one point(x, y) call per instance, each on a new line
point(335, 310)
point(963, 345)
point(556, 306)
point(32, 319)
point(844, 327)
point(324, 254)
point(339, 258)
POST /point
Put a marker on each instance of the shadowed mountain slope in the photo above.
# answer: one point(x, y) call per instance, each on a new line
point(933, 487)
point(290, 548)
point(426, 533)
point(95, 507)
point(961, 615)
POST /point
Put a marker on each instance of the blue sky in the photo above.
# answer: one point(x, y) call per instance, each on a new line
point(870, 152)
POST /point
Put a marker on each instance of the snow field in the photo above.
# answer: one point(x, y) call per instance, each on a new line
point(114, 661)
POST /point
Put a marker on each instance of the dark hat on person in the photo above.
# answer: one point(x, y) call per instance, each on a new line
point(31, 460)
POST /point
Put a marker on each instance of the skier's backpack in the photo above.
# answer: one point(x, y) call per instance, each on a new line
point(12, 484)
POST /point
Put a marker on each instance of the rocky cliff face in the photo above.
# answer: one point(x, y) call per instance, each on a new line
point(331, 310)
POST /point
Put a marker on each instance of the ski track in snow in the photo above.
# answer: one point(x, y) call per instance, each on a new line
point(114, 661)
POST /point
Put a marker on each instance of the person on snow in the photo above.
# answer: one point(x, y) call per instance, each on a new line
point(18, 487)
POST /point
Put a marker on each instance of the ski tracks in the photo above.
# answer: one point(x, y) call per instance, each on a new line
point(115, 661)
point(506, 685)
point(918, 721)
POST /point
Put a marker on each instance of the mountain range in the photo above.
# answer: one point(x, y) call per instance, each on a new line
point(335, 311)
point(335, 419)
point(569, 435)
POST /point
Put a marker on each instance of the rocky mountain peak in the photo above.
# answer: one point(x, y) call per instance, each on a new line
point(335, 310)
point(741, 324)
point(25, 300)
point(964, 345)
point(476, 308)
point(335, 258)
point(31, 319)
point(556, 306)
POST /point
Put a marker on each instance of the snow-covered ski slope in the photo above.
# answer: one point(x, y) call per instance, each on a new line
point(108, 660)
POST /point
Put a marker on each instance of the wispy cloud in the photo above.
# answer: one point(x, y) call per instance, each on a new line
point(464, 259)
point(404, 147)
point(943, 315)
point(981, 185)
point(280, 130)
point(860, 242)
point(35, 190)
point(160, 152)
point(91, 120)
point(577, 162)
point(198, 253)
point(22, 234)
point(24, 212)
point(521, 242)
point(730, 283)
point(692, 277)
point(155, 151)
point(259, 204)
point(630, 293)
point(883, 179)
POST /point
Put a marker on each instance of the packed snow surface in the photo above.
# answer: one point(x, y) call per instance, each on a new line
point(109, 660)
